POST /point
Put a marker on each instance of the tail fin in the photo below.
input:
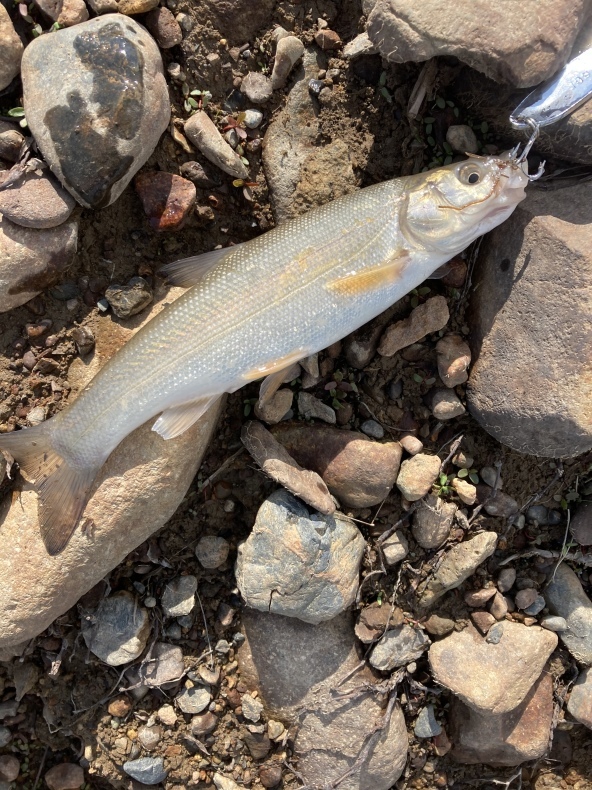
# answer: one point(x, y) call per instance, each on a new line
point(62, 490)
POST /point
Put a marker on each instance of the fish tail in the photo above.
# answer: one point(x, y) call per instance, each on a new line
point(62, 489)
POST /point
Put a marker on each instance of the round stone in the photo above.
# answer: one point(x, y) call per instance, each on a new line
point(212, 551)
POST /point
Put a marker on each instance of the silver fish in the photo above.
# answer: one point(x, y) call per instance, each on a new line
point(253, 310)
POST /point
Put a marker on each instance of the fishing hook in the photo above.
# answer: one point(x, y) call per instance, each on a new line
point(521, 160)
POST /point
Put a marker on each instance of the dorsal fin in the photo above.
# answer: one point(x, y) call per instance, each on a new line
point(189, 271)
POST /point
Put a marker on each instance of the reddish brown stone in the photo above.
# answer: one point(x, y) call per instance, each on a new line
point(506, 738)
point(164, 27)
point(328, 39)
point(167, 199)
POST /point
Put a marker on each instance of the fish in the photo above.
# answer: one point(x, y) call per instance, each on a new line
point(253, 310)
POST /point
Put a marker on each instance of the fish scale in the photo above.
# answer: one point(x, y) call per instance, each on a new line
point(267, 302)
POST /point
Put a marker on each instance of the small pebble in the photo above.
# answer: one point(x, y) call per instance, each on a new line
point(148, 770)
point(253, 118)
point(479, 597)
point(119, 631)
point(554, 623)
point(537, 513)
point(417, 475)
point(120, 707)
point(36, 416)
point(252, 708)
point(288, 52)
point(466, 491)
point(164, 27)
point(495, 633)
point(84, 339)
point(536, 607)
point(446, 405)
point(527, 597)
point(462, 139)
point(9, 768)
point(499, 606)
point(483, 621)
point(178, 598)
point(205, 136)
point(411, 444)
point(212, 551)
point(65, 776)
point(130, 299)
point(37, 201)
point(395, 548)
point(328, 39)
point(257, 87)
point(149, 737)
point(312, 408)
point(361, 45)
point(193, 700)
point(489, 476)
point(167, 715)
point(167, 199)
point(506, 579)
point(276, 408)
point(499, 504)
point(315, 86)
point(5, 736)
point(395, 389)
point(438, 626)
point(203, 724)
point(454, 358)
point(373, 429)
point(426, 725)
point(270, 775)
point(275, 729)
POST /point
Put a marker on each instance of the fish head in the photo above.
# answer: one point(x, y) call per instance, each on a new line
point(451, 206)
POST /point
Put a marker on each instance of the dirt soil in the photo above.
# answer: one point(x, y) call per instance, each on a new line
point(64, 716)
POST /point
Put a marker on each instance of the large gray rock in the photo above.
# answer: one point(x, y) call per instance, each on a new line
point(580, 699)
point(32, 259)
point(11, 49)
point(300, 173)
point(521, 43)
point(299, 565)
point(137, 491)
point(566, 598)
point(96, 102)
point(508, 738)
point(297, 667)
point(529, 386)
point(488, 677)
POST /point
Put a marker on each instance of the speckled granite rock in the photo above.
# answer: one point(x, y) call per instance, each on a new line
point(96, 102)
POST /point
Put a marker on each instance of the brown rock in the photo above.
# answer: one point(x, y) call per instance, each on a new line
point(11, 141)
point(296, 666)
point(167, 199)
point(479, 597)
point(10, 768)
point(535, 403)
point(458, 564)
point(523, 45)
point(164, 27)
point(374, 619)
point(275, 461)
point(482, 621)
point(65, 776)
point(36, 201)
point(466, 491)
point(580, 700)
point(454, 358)
point(499, 606)
point(581, 525)
point(418, 475)
point(508, 738)
point(11, 50)
point(120, 706)
point(32, 260)
point(492, 678)
point(428, 317)
point(411, 444)
point(358, 471)
point(432, 521)
point(276, 408)
point(270, 775)
point(328, 39)
point(258, 743)
point(129, 7)
point(203, 724)
point(456, 273)
point(137, 491)
point(524, 598)
point(438, 626)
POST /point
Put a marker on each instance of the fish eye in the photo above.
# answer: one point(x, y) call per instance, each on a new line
point(470, 173)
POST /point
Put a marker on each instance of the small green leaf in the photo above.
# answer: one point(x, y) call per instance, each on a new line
point(462, 473)
point(429, 128)
point(247, 409)
point(382, 80)
point(354, 387)
point(450, 103)
point(386, 95)
point(414, 301)
point(336, 404)
point(456, 112)
point(424, 290)
point(443, 479)
point(440, 103)
point(484, 127)
point(193, 103)
point(474, 477)
point(195, 93)
point(448, 160)
point(23, 123)
point(429, 382)
point(16, 112)
point(429, 120)
point(448, 148)
point(431, 141)
point(417, 378)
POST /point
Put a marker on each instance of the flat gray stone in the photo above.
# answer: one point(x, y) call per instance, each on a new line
point(398, 647)
point(580, 699)
point(432, 521)
point(163, 664)
point(488, 677)
point(96, 102)
point(299, 565)
point(32, 260)
point(297, 666)
point(118, 631)
point(193, 700)
point(148, 770)
point(178, 598)
point(566, 598)
point(426, 725)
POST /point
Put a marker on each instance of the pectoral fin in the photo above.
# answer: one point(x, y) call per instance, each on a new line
point(280, 365)
point(173, 422)
point(189, 271)
point(370, 279)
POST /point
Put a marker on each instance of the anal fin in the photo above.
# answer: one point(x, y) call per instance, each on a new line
point(189, 271)
point(370, 279)
point(175, 421)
